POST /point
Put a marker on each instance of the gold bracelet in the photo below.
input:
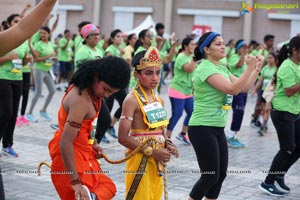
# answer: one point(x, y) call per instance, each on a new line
point(148, 151)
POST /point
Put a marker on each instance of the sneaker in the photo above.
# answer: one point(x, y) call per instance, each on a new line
point(261, 132)
point(270, 189)
point(54, 126)
point(105, 140)
point(18, 122)
point(234, 143)
point(112, 132)
point(280, 184)
point(31, 118)
point(255, 123)
point(45, 115)
point(184, 139)
point(92, 196)
point(24, 120)
point(242, 145)
point(9, 152)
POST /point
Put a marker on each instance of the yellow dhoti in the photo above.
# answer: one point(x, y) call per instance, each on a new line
point(151, 184)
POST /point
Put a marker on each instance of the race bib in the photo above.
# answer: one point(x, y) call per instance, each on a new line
point(69, 51)
point(16, 66)
point(48, 63)
point(156, 115)
point(265, 83)
point(228, 102)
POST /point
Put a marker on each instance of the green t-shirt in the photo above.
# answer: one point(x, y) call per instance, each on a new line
point(44, 49)
point(86, 53)
point(113, 50)
point(208, 101)
point(26, 66)
point(265, 53)
point(177, 48)
point(233, 60)
point(224, 61)
point(140, 49)
point(35, 38)
point(65, 55)
point(166, 46)
point(287, 76)
point(100, 46)
point(254, 52)
point(267, 74)
point(12, 69)
point(122, 45)
point(182, 81)
point(77, 43)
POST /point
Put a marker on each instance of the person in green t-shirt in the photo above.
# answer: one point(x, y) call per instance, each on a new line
point(78, 39)
point(44, 57)
point(181, 89)
point(88, 51)
point(214, 85)
point(26, 73)
point(285, 115)
point(114, 44)
point(114, 50)
point(267, 47)
point(128, 55)
point(230, 50)
point(65, 57)
point(252, 47)
point(266, 76)
point(142, 44)
point(237, 66)
point(10, 91)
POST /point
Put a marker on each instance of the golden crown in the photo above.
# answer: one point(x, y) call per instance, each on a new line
point(151, 59)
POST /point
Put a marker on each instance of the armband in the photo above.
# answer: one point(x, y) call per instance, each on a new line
point(125, 117)
point(74, 124)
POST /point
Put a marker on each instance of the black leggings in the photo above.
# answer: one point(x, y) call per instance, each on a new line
point(103, 122)
point(211, 150)
point(25, 92)
point(287, 126)
point(119, 96)
point(10, 93)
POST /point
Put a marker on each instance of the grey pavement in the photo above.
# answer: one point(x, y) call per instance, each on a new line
point(246, 166)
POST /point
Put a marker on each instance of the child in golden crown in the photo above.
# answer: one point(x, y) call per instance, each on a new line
point(143, 117)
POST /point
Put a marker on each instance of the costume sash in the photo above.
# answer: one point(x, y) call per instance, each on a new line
point(137, 178)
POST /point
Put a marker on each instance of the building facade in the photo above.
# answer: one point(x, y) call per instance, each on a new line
point(280, 17)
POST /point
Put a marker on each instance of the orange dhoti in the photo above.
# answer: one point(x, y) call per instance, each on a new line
point(87, 166)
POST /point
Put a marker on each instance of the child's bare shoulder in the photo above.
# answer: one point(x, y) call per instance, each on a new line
point(130, 100)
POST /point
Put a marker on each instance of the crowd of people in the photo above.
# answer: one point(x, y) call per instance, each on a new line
point(209, 79)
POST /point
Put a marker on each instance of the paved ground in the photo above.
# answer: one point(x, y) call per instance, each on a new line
point(246, 166)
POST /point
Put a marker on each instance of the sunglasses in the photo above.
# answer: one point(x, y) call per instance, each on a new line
point(94, 34)
point(149, 36)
